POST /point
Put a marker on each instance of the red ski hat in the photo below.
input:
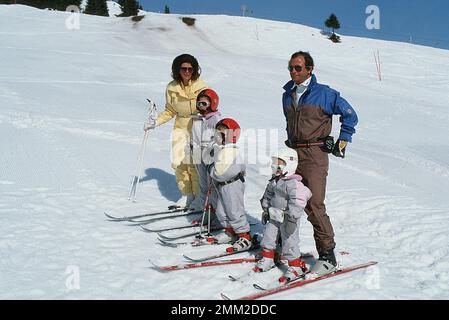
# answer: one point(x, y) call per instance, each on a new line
point(233, 132)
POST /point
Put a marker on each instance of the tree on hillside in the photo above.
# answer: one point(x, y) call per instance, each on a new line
point(167, 9)
point(97, 7)
point(332, 22)
point(129, 8)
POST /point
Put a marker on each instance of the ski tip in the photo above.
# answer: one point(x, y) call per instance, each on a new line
point(166, 244)
point(187, 258)
point(190, 259)
point(111, 217)
point(153, 265)
point(156, 267)
point(256, 286)
point(160, 235)
point(224, 297)
point(232, 278)
point(144, 228)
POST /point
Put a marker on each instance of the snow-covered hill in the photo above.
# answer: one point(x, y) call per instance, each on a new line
point(72, 107)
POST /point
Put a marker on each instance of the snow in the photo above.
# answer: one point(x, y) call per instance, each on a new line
point(72, 108)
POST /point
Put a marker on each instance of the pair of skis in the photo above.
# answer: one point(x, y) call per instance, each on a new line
point(173, 212)
point(168, 214)
point(262, 291)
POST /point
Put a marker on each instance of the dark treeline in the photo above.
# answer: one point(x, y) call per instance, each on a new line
point(43, 4)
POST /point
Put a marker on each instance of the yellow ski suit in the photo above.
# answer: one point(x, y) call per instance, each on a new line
point(181, 103)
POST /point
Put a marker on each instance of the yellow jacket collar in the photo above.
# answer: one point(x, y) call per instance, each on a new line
point(194, 86)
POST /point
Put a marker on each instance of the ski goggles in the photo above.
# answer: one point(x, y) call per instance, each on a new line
point(277, 167)
point(202, 104)
point(297, 68)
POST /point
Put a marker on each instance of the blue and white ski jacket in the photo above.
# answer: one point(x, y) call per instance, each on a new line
point(311, 119)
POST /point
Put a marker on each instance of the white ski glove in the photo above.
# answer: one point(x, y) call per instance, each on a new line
point(210, 153)
point(276, 214)
point(150, 125)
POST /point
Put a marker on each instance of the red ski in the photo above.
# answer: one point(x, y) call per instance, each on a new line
point(299, 283)
point(203, 264)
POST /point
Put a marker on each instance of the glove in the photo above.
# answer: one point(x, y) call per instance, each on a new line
point(276, 214)
point(328, 145)
point(265, 217)
point(150, 126)
point(339, 148)
point(210, 153)
point(290, 225)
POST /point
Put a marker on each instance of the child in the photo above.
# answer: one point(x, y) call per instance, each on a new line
point(227, 174)
point(203, 132)
point(283, 203)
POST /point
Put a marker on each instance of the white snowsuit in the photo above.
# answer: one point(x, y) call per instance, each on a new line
point(289, 195)
point(230, 208)
point(203, 131)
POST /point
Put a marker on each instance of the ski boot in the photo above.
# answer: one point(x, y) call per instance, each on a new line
point(266, 262)
point(296, 270)
point(243, 243)
point(227, 236)
point(326, 264)
point(183, 202)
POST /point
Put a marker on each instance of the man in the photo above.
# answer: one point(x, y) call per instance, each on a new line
point(308, 109)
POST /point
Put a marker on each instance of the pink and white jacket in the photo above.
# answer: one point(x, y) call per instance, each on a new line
point(288, 194)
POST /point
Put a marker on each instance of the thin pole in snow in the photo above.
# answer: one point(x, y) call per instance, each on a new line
point(377, 61)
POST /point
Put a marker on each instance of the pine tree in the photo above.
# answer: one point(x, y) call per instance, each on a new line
point(129, 8)
point(97, 7)
point(332, 22)
point(167, 9)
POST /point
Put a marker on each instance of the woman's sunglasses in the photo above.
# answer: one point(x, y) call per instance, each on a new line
point(186, 69)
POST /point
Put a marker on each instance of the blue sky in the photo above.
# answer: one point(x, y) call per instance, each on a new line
point(422, 22)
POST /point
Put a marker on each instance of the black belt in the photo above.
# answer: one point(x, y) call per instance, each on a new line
point(240, 176)
point(309, 144)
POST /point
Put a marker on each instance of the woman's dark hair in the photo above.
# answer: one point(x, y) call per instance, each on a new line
point(307, 58)
point(185, 58)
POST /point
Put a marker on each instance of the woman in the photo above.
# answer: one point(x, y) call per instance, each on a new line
point(180, 95)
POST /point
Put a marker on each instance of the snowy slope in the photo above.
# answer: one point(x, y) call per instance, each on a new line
point(72, 106)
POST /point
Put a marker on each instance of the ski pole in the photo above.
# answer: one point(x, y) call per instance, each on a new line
point(205, 209)
point(141, 163)
point(135, 181)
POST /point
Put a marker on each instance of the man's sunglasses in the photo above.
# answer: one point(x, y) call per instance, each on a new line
point(186, 69)
point(297, 68)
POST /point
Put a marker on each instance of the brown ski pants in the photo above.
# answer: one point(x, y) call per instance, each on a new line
point(313, 166)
